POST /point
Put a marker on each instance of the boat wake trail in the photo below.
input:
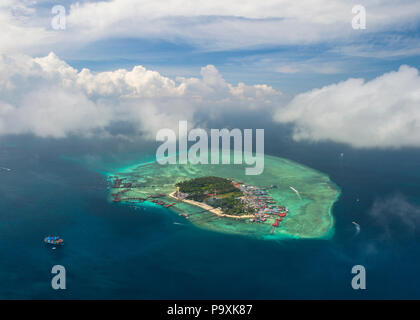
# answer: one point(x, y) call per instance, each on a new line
point(357, 228)
point(5, 169)
point(297, 192)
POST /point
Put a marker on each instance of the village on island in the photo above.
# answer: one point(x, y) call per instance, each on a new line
point(224, 197)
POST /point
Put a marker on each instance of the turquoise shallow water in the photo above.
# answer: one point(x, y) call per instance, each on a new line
point(310, 214)
point(115, 251)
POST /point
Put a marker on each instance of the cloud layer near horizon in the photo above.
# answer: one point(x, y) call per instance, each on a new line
point(383, 112)
point(48, 98)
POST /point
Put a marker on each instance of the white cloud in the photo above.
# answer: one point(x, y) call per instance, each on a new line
point(209, 25)
point(47, 97)
point(221, 25)
point(22, 29)
point(383, 112)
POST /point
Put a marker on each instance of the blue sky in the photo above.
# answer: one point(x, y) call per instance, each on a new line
point(248, 65)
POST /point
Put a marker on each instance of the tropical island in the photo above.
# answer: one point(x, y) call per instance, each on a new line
point(288, 200)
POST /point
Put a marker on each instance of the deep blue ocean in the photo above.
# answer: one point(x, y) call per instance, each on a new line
point(114, 251)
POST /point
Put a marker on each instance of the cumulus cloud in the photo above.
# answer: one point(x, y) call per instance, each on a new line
point(383, 112)
point(49, 98)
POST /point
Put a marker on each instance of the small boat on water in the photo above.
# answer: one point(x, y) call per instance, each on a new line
point(55, 240)
point(357, 227)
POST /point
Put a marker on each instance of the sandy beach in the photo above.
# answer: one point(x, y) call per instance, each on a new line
point(216, 211)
